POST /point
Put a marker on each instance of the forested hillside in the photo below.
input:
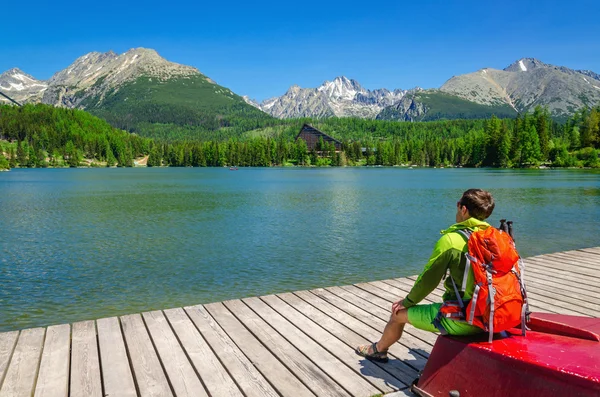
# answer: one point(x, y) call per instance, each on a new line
point(152, 107)
point(41, 135)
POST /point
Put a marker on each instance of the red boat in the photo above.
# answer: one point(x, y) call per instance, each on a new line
point(560, 356)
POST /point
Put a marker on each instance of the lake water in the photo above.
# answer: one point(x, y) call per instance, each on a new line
point(87, 243)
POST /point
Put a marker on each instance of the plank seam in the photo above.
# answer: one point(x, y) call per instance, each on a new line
point(236, 345)
point(135, 381)
point(99, 359)
point(334, 307)
point(39, 362)
point(583, 262)
point(248, 358)
point(414, 368)
point(334, 336)
point(407, 331)
point(160, 361)
point(69, 360)
point(189, 358)
point(588, 252)
point(301, 352)
point(413, 333)
point(557, 264)
point(403, 344)
point(12, 351)
point(269, 350)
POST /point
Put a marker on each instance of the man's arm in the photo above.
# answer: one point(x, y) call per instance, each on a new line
point(432, 274)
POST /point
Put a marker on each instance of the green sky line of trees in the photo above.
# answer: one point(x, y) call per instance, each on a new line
point(45, 136)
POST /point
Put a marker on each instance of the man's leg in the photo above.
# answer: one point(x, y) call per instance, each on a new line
point(392, 331)
point(421, 316)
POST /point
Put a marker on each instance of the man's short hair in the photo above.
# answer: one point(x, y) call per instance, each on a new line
point(480, 203)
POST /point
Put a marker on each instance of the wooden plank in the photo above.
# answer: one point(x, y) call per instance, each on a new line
point(575, 260)
point(405, 285)
point(23, 368)
point(556, 284)
point(591, 260)
point(593, 257)
point(181, 373)
point(536, 272)
point(564, 276)
point(593, 250)
point(350, 332)
point(403, 350)
point(85, 362)
point(248, 378)
point(53, 377)
point(8, 341)
point(307, 371)
point(561, 305)
point(314, 339)
point(214, 376)
point(561, 264)
point(147, 370)
point(117, 377)
point(282, 379)
point(563, 296)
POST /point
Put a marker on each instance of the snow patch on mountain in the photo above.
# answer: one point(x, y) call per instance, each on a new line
point(523, 68)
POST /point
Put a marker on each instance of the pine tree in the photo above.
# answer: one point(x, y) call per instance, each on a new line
point(542, 121)
point(21, 156)
point(4, 165)
point(530, 152)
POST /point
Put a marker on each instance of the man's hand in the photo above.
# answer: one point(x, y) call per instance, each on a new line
point(397, 306)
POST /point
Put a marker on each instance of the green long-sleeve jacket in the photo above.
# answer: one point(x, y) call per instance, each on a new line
point(448, 254)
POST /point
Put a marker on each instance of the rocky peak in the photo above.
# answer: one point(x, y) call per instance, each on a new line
point(591, 74)
point(20, 86)
point(84, 68)
point(341, 88)
point(525, 65)
point(293, 91)
point(115, 69)
point(16, 74)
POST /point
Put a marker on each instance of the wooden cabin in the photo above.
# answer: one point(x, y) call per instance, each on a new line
point(312, 135)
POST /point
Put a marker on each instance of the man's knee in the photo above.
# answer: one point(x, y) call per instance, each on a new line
point(401, 317)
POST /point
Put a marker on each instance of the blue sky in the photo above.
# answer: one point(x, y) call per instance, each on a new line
point(261, 48)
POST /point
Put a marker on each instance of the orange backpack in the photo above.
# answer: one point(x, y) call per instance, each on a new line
point(499, 300)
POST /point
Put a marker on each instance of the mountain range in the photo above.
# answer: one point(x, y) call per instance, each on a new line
point(141, 91)
point(518, 88)
point(137, 90)
point(341, 97)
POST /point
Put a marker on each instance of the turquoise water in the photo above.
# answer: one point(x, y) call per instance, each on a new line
point(87, 243)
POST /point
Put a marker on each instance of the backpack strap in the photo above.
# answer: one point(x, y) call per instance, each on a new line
point(466, 233)
point(492, 296)
point(460, 301)
point(525, 309)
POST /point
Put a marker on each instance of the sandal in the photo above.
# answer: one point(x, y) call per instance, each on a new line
point(375, 356)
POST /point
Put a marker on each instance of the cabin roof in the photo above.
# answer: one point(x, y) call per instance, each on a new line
point(309, 128)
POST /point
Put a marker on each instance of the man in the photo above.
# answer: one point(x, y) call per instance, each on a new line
point(448, 256)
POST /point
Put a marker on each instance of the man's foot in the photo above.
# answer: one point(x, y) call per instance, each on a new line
point(370, 352)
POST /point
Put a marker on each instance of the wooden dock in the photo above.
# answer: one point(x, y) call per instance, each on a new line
point(291, 344)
